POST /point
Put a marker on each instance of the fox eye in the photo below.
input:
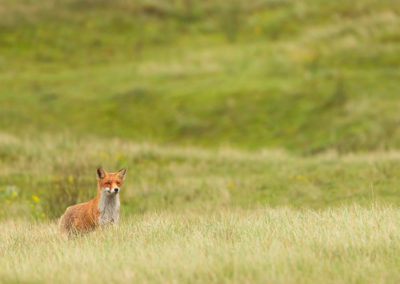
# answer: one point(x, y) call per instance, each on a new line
point(118, 183)
point(107, 183)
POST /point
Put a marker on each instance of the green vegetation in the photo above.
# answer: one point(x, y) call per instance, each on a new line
point(48, 174)
point(262, 139)
point(304, 75)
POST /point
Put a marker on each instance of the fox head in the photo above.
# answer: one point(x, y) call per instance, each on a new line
point(110, 183)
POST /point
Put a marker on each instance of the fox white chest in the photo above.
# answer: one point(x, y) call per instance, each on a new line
point(109, 209)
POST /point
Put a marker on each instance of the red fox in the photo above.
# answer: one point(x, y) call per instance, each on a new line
point(101, 210)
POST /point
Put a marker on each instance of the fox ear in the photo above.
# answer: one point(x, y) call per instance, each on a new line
point(100, 173)
point(122, 173)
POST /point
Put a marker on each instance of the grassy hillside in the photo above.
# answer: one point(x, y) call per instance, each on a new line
point(304, 75)
point(347, 245)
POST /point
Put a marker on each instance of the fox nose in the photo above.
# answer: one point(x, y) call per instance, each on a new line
point(116, 189)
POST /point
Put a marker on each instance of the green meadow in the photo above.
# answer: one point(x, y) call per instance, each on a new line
point(262, 139)
point(307, 76)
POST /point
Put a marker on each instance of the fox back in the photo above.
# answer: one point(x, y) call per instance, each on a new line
point(101, 210)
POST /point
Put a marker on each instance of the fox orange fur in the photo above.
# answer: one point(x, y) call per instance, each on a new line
point(101, 210)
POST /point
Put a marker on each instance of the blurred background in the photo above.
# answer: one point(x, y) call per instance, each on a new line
point(305, 76)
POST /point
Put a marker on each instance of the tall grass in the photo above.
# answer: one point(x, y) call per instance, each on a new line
point(350, 244)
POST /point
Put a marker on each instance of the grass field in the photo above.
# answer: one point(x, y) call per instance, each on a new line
point(345, 245)
point(262, 139)
point(44, 175)
point(195, 215)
